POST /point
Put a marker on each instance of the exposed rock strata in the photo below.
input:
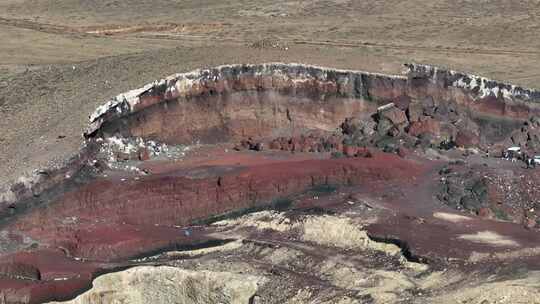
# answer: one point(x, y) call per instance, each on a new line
point(221, 95)
point(91, 216)
point(266, 85)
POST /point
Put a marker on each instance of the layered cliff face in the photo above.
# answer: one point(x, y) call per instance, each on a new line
point(497, 108)
point(197, 147)
point(230, 102)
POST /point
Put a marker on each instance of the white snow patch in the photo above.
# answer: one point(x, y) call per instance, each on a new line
point(101, 110)
point(489, 238)
point(476, 83)
point(451, 217)
point(114, 145)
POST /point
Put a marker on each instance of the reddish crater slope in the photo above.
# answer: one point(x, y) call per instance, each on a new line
point(161, 162)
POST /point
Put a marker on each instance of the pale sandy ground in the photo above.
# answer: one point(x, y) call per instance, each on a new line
point(451, 217)
point(232, 281)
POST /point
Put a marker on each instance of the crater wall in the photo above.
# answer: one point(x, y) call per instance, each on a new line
point(227, 103)
point(233, 101)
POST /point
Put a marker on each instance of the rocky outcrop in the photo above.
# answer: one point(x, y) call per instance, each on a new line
point(141, 285)
point(477, 87)
point(26, 191)
point(228, 102)
point(234, 102)
point(434, 89)
point(489, 108)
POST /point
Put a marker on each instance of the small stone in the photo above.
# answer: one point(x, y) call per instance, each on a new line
point(402, 152)
point(529, 223)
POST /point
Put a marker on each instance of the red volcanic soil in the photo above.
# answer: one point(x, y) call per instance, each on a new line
point(411, 223)
point(429, 239)
point(104, 223)
point(62, 275)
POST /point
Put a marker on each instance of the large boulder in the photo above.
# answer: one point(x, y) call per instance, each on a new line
point(393, 114)
point(384, 126)
point(391, 120)
point(358, 126)
point(423, 125)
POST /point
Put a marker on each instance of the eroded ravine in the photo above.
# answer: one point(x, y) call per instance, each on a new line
point(213, 144)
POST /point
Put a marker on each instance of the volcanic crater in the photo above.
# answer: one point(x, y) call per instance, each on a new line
point(408, 162)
